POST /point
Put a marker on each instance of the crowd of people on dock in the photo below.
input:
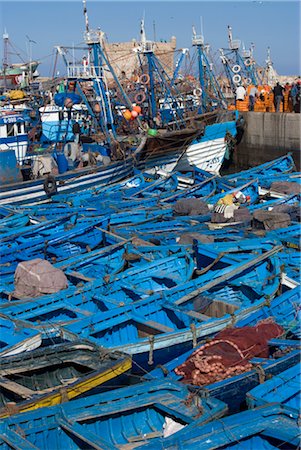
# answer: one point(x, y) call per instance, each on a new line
point(265, 98)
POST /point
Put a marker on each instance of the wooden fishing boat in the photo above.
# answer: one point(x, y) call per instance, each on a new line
point(71, 181)
point(183, 149)
point(283, 353)
point(122, 418)
point(54, 374)
point(283, 165)
point(98, 295)
point(56, 245)
point(17, 338)
point(249, 192)
point(283, 388)
point(88, 266)
point(161, 327)
point(271, 427)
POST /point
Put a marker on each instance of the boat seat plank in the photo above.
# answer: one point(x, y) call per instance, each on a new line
point(144, 437)
point(79, 275)
point(12, 294)
point(197, 315)
point(85, 436)
point(159, 326)
point(17, 388)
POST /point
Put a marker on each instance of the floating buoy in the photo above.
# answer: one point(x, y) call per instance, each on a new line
point(127, 114)
point(137, 108)
point(71, 86)
point(96, 108)
point(152, 132)
point(236, 79)
point(134, 114)
point(197, 92)
point(68, 103)
point(236, 68)
point(248, 62)
point(139, 97)
point(144, 79)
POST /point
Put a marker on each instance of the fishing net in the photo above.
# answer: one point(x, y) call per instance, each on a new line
point(190, 207)
point(229, 353)
point(38, 277)
point(270, 220)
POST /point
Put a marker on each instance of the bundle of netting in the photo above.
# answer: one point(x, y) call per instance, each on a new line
point(229, 353)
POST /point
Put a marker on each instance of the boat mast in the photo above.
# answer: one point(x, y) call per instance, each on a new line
point(158, 78)
point(5, 56)
point(207, 80)
point(239, 68)
point(94, 40)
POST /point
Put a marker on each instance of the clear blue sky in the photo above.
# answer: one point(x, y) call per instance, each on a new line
point(274, 24)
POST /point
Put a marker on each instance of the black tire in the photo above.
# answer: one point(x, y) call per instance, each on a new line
point(50, 186)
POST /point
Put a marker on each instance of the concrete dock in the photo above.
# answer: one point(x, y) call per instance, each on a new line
point(268, 136)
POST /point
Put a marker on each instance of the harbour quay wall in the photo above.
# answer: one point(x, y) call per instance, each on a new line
point(268, 136)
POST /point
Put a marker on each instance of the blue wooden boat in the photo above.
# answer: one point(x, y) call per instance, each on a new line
point(88, 266)
point(283, 388)
point(55, 373)
point(15, 337)
point(161, 327)
point(92, 296)
point(58, 244)
point(283, 165)
point(204, 190)
point(71, 181)
point(13, 221)
point(271, 427)
point(248, 190)
point(232, 391)
point(267, 180)
point(122, 418)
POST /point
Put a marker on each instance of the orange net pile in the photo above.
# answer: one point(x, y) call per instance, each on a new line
point(228, 354)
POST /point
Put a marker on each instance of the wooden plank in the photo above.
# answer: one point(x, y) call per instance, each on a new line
point(17, 388)
point(229, 275)
point(84, 435)
point(79, 276)
point(158, 326)
point(14, 440)
point(197, 315)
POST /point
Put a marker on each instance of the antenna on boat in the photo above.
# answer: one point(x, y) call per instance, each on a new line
point(202, 28)
point(230, 35)
point(142, 32)
point(5, 56)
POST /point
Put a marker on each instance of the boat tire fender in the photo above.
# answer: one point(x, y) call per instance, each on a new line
point(248, 81)
point(236, 68)
point(50, 186)
point(144, 79)
point(236, 78)
point(197, 92)
point(248, 62)
point(139, 97)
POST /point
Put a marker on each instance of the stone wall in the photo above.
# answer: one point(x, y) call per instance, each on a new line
point(124, 59)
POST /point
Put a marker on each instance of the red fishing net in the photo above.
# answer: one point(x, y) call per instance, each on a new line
point(228, 353)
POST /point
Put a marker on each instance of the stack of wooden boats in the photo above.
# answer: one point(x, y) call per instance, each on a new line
point(157, 267)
